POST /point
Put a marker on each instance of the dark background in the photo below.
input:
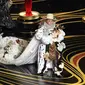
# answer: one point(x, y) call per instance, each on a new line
point(45, 6)
point(57, 6)
point(50, 6)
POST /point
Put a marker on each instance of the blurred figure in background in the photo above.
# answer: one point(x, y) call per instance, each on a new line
point(5, 18)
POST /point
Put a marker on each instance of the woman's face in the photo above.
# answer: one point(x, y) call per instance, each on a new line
point(49, 21)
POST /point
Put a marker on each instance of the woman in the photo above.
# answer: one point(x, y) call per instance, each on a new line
point(29, 55)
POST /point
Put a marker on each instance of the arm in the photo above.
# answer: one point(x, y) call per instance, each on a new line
point(44, 39)
point(39, 34)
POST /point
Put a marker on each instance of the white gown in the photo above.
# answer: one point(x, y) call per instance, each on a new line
point(30, 54)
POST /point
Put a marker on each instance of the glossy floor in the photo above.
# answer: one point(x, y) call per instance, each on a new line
point(73, 55)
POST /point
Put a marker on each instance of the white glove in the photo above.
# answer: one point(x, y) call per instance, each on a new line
point(61, 65)
point(61, 46)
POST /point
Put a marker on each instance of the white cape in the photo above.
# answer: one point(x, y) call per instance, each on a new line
point(18, 51)
point(29, 55)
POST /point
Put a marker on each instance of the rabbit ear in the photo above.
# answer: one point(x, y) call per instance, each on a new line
point(60, 26)
point(1, 34)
